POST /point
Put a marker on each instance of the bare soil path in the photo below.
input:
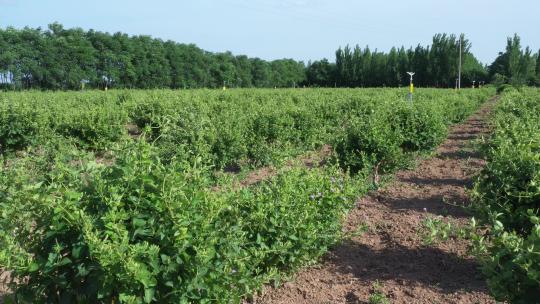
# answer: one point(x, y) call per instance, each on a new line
point(392, 252)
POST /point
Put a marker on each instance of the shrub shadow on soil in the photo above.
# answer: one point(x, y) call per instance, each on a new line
point(408, 266)
point(441, 204)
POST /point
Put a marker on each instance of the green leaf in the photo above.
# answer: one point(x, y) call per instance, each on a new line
point(149, 295)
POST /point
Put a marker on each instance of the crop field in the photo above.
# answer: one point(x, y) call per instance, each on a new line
point(230, 128)
point(269, 152)
point(129, 195)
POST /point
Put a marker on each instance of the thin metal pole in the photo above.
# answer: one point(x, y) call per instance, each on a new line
point(459, 68)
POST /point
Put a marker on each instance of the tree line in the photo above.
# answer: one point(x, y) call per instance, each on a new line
point(435, 66)
point(59, 58)
point(516, 66)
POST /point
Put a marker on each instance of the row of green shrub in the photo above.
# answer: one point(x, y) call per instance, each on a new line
point(226, 128)
point(148, 226)
point(507, 197)
point(142, 231)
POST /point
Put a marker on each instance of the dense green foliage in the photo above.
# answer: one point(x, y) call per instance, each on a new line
point(59, 58)
point(142, 231)
point(234, 127)
point(507, 197)
point(435, 66)
point(516, 66)
point(89, 214)
point(20, 125)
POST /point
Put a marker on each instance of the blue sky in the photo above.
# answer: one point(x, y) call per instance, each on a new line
point(299, 29)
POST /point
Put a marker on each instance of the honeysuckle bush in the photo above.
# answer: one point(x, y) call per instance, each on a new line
point(368, 142)
point(95, 126)
point(20, 126)
point(387, 134)
point(141, 231)
point(507, 199)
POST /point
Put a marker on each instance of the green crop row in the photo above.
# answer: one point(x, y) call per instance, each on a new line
point(146, 224)
point(228, 128)
point(141, 231)
point(507, 197)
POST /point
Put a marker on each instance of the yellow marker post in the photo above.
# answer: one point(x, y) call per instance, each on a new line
point(411, 86)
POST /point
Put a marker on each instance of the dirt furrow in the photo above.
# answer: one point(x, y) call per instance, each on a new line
point(390, 258)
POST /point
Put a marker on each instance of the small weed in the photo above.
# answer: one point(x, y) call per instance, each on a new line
point(359, 231)
point(377, 296)
point(436, 229)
